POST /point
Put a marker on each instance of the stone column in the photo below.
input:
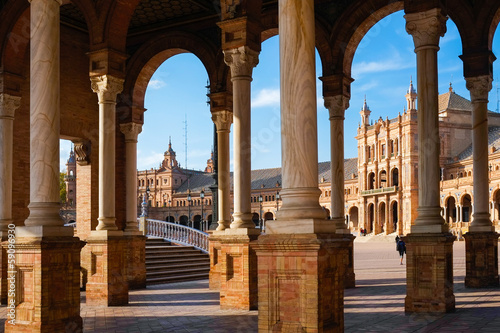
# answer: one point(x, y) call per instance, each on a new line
point(241, 60)
point(336, 106)
point(107, 88)
point(430, 278)
point(107, 283)
point(481, 241)
point(47, 255)
point(136, 249)
point(8, 106)
point(223, 120)
point(300, 258)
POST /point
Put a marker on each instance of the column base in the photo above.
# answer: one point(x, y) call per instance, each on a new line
point(107, 270)
point(238, 269)
point(429, 273)
point(215, 256)
point(301, 283)
point(481, 257)
point(136, 261)
point(46, 293)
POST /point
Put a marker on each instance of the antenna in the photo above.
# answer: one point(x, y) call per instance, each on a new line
point(498, 99)
point(186, 141)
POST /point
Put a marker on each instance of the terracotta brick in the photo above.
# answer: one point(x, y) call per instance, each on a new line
point(481, 259)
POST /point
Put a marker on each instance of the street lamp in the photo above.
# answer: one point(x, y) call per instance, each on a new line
point(202, 196)
point(189, 209)
point(277, 200)
point(260, 205)
point(169, 204)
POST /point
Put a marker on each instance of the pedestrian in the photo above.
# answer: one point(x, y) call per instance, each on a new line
point(397, 240)
point(401, 248)
point(361, 231)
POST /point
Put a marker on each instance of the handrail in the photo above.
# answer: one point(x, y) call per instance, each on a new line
point(380, 190)
point(177, 233)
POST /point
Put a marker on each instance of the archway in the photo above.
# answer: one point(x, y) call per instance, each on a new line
point(371, 181)
point(183, 220)
point(383, 179)
point(466, 208)
point(353, 217)
point(395, 177)
point(197, 222)
point(371, 216)
point(394, 216)
point(451, 211)
point(381, 217)
point(255, 219)
point(170, 218)
point(268, 216)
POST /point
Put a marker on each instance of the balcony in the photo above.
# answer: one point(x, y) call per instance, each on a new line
point(381, 190)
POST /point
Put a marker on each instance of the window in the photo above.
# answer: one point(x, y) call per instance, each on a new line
point(382, 149)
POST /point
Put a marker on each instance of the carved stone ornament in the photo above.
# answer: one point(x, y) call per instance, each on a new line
point(82, 152)
point(8, 105)
point(336, 106)
point(479, 87)
point(131, 131)
point(223, 120)
point(426, 27)
point(106, 87)
point(241, 60)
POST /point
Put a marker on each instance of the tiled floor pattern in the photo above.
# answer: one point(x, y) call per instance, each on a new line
point(375, 305)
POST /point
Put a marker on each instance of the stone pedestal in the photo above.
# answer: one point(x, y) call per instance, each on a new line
point(47, 275)
point(238, 269)
point(136, 261)
point(481, 258)
point(301, 283)
point(429, 273)
point(107, 273)
point(215, 258)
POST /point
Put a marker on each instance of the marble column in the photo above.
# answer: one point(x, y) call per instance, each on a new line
point(241, 60)
point(481, 242)
point(131, 131)
point(47, 256)
point(107, 88)
point(8, 106)
point(429, 278)
point(223, 121)
point(136, 242)
point(301, 260)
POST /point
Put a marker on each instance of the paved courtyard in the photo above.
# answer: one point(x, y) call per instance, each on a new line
point(375, 305)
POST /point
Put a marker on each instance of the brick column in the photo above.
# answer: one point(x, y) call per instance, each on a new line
point(8, 106)
point(47, 256)
point(481, 241)
point(336, 106)
point(107, 277)
point(429, 245)
point(136, 248)
point(300, 258)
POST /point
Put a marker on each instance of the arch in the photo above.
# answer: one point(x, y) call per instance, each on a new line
point(371, 217)
point(495, 214)
point(381, 217)
point(183, 220)
point(152, 54)
point(395, 177)
point(354, 217)
point(197, 222)
point(255, 218)
point(268, 216)
point(170, 218)
point(383, 178)
point(466, 202)
point(371, 181)
point(394, 216)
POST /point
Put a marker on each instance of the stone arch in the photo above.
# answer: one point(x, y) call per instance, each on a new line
point(370, 182)
point(395, 176)
point(394, 217)
point(466, 202)
point(370, 217)
point(268, 216)
point(495, 214)
point(381, 217)
point(451, 210)
point(354, 217)
point(183, 220)
point(382, 176)
point(151, 55)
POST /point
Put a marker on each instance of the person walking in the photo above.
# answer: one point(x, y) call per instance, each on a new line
point(401, 248)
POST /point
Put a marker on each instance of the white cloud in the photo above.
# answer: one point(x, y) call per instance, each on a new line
point(153, 160)
point(156, 84)
point(392, 64)
point(266, 97)
point(369, 85)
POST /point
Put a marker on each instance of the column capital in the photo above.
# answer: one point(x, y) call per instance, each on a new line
point(479, 87)
point(131, 131)
point(8, 105)
point(426, 27)
point(106, 87)
point(336, 106)
point(223, 120)
point(82, 151)
point(241, 60)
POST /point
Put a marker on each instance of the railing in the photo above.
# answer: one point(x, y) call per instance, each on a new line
point(177, 233)
point(380, 190)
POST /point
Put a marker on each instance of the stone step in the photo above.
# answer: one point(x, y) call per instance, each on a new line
point(182, 271)
point(168, 268)
point(178, 278)
point(201, 258)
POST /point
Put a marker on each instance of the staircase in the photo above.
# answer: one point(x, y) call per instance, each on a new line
point(166, 263)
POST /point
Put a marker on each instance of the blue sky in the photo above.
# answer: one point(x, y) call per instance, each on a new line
point(382, 67)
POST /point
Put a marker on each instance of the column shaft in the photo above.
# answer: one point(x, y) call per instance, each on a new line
point(131, 131)
point(479, 88)
point(299, 141)
point(44, 114)
point(8, 105)
point(241, 60)
point(107, 87)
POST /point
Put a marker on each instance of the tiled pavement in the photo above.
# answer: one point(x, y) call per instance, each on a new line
point(375, 305)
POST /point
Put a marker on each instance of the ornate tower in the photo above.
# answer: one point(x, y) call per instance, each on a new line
point(169, 161)
point(70, 179)
point(365, 114)
point(411, 97)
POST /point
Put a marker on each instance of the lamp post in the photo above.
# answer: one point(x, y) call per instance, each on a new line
point(261, 220)
point(202, 196)
point(277, 200)
point(189, 209)
point(169, 204)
